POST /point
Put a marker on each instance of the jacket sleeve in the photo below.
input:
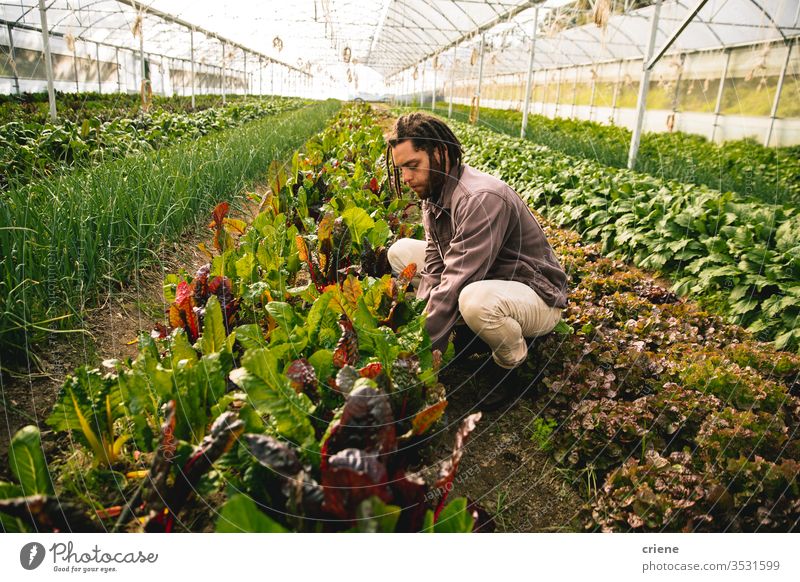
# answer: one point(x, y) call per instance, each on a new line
point(431, 272)
point(481, 222)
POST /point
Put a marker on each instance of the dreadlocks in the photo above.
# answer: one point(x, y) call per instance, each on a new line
point(428, 133)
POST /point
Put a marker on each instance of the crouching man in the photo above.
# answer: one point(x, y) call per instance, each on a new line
point(485, 261)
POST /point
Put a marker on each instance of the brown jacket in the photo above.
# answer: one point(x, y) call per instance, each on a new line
point(479, 229)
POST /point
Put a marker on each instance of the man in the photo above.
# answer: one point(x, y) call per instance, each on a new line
point(484, 259)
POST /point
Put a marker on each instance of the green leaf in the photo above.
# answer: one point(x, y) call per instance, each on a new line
point(240, 514)
point(283, 314)
point(27, 462)
point(213, 338)
point(322, 361)
point(88, 404)
point(358, 221)
point(784, 339)
point(375, 516)
point(270, 393)
point(320, 314)
point(379, 234)
point(563, 328)
point(199, 387)
point(180, 348)
point(250, 336)
point(10, 524)
point(454, 518)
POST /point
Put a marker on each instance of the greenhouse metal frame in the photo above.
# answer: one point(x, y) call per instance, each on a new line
point(626, 62)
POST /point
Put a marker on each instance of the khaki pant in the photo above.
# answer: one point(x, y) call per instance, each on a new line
point(501, 313)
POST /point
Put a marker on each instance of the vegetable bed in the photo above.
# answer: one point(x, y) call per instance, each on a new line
point(292, 387)
point(754, 172)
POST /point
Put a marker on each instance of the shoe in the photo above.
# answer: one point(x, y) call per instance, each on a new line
point(505, 387)
point(467, 345)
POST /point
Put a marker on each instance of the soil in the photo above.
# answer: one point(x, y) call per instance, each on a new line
point(502, 469)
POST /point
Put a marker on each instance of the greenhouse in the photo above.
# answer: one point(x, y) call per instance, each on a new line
point(443, 266)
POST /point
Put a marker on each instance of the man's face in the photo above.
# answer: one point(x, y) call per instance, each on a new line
point(415, 168)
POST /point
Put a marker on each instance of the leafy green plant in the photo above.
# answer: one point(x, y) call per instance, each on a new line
point(89, 405)
point(542, 432)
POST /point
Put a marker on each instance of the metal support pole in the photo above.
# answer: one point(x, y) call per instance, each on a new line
point(529, 78)
point(452, 82)
point(545, 92)
point(163, 78)
point(99, 82)
point(422, 86)
point(12, 54)
point(480, 80)
point(593, 73)
point(558, 91)
point(48, 63)
point(75, 66)
point(644, 82)
point(616, 94)
point(246, 79)
point(433, 91)
point(191, 44)
point(718, 106)
point(778, 91)
point(141, 56)
point(651, 59)
point(224, 66)
point(260, 74)
point(574, 95)
point(119, 74)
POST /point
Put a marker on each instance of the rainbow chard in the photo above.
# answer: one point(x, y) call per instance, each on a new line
point(222, 436)
point(89, 404)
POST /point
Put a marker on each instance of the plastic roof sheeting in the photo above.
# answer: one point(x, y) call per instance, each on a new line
point(719, 24)
point(390, 36)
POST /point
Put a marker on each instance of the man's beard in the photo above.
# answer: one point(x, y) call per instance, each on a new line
point(433, 189)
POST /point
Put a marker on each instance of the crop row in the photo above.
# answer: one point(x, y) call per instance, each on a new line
point(743, 166)
point(34, 107)
point(741, 258)
point(293, 377)
point(670, 418)
point(70, 236)
point(31, 150)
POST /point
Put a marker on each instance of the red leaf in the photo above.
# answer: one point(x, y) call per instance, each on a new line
point(346, 352)
point(183, 293)
point(405, 277)
point(351, 477)
point(371, 371)
point(448, 471)
point(302, 376)
point(219, 214)
point(181, 312)
point(425, 418)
